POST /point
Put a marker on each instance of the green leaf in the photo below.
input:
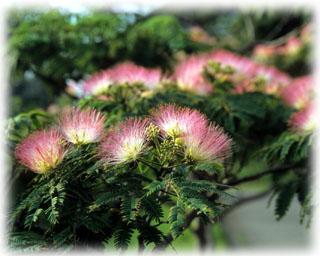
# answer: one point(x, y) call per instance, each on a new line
point(127, 205)
point(27, 241)
point(122, 236)
point(176, 219)
point(209, 167)
point(154, 186)
point(151, 207)
point(284, 199)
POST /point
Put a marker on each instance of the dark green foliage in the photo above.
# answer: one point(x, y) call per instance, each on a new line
point(284, 199)
point(289, 147)
point(153, 42)
point(210, 168)
point(27, 241)
point(150, 205)
point(248, 113)
point(149, 234)
point(287, 186)
point(56, 45)
point(176, 219)
point(122, 236)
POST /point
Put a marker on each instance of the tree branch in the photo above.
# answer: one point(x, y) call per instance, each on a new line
point(247, 200)
point(280, 169)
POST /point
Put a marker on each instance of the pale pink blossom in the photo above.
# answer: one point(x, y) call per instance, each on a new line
point(240, 63)
point(41, 151)
point(125, 142)
point(97, 84)
point(292, 46)
point(298, 93)
point(207, 144)
point(175, 121)
point(264, 51)
point(82, 126)
point(246, 71)
point(275, 79)
point(128, 72)
point(304, 120)
point(189, 75)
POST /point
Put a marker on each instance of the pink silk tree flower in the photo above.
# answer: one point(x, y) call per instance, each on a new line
point(97, 84)
point(264, 51)
point(128, 72)
point(275, 79)
point(207, 145)
point(241, 64)
point(298, 93)
point(293, 46)
point(175, 121)
point(125, 142)
point(246, 69)
point(82, 126)
point(189, 75)
point(41, 151)
point(304, 120)
point(243, 75)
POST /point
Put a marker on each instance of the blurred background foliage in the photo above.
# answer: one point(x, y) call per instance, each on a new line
point(48, 47)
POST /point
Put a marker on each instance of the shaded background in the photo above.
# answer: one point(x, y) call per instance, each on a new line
point(46, 48)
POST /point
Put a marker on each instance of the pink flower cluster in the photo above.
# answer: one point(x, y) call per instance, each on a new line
point(189, 73)
point(299, 95)
point(299, 92)
point(202, 141)
point(304, 120)
point(292, 46)
point(126, 72)
point(42, 151)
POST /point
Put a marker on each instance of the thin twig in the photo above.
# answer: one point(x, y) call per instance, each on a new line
point(247, 200)
point(279, 169)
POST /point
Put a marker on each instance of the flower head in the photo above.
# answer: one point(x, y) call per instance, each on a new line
point(248, 70)
point(293, 46)
point(125, 142)
point(298, 93)
point(41, 151)
point(175, 121)
point(97, 84)
point(207, 144)
point(189, 77)
point(82, 126)
point(128, 72)
point(264, 51)
point(274, 78)
point(241, 64)
point(304, 119)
